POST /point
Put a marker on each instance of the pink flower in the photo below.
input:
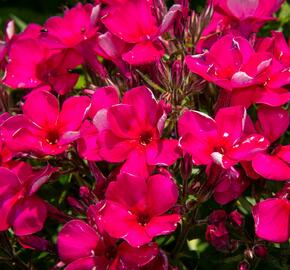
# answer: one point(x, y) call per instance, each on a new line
point(20, 208)
point(46, 67)
point(133, 22)
point(251, 76)
point(132, 133)
point(82, 247)
point(135, 209)
point(243, 17)
point(54, 51)
point(272, 218)
point(241, 67)
point(221, 140)
point(274, 162)
point(102, 99)
point(43, 128)
point(78, 25)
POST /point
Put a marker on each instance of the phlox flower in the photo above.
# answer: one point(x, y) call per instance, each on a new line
point(132, 130)
point(221, 140)
point(136, 209)
point(82, 247)
point(20, 207)
point(133, 21)
point(244, 71)
point(43, 128)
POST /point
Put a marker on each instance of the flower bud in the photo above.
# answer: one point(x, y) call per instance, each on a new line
point(243, 265)
point(260, 251)
point(217, 217)
point(218, 236)
point(237, 218)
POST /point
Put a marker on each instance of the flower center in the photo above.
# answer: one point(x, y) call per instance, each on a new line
point(52, 137)
point(145, 138)
point(111, 252)
point(143, 219)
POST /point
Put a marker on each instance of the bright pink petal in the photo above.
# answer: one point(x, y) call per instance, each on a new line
point(88, 146)
point(271, 167)
point(76, 240)
point(144, 53)
point(196, 122)
point(146, 109)
point(42, 108)
point(136, 164)
point(268, 117)
point(230, 123)
point(123, 121)
point(89, 263)
point(272, 97)
point(272, 220)
point(162, 225)
point(163, 152)
point(21, 71)
point(118, 191)
point(113, 148)
point(245, 148)
point(104, 97)
point(72, 113)
point(9, 187)
point(160, 200)
point(28, 216)
point(137, 257)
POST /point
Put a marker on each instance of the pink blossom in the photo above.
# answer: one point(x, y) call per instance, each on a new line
point(243, 17)
point(133, 21)
point(139, 208)
point(221, 140)
point(132, 132)
point(274, 162)
point(43, 128)
point(20, 208)
point(241, 67)
point(250, 75)
point(82, 247)
point(272, 218)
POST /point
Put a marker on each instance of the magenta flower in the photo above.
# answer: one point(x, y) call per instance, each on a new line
point(78, 25)
point(274, 162)
point(43, 128)
point(241, 67)
point(251, 75)
point(47, 66)
point(88, 144)
point(272, 217)
point(132, 133)
point(222, 140)
point(20, 208)
point(133, 22)
point(82, 248)
point(139, 207)
point(249, 15)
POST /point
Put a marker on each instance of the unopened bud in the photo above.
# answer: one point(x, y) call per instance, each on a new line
point(260, 251)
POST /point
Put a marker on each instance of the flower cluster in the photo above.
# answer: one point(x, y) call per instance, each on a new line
point(128, 125)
